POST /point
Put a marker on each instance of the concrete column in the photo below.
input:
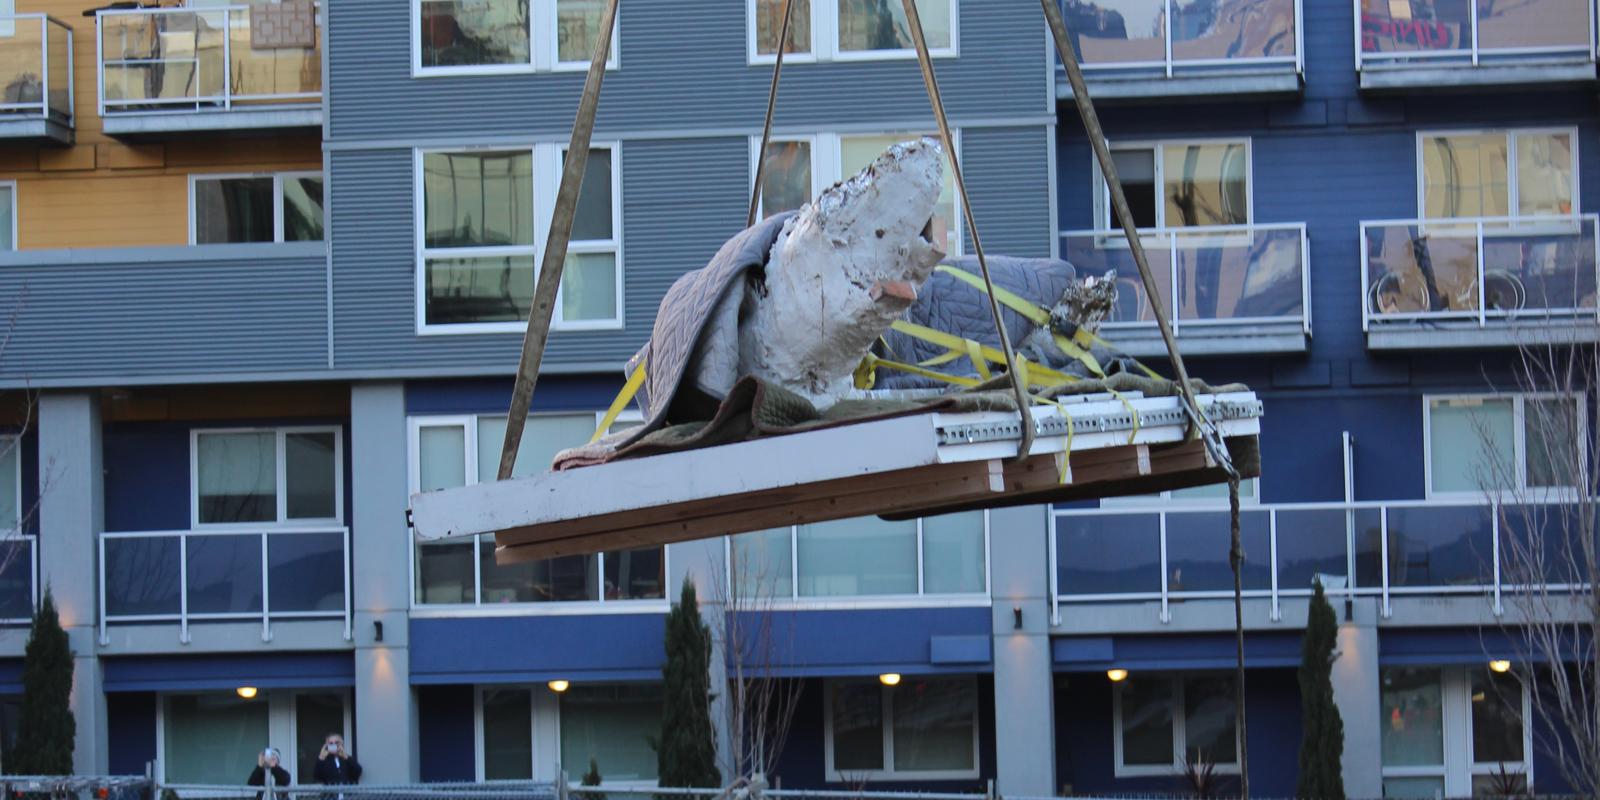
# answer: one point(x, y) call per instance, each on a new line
point(386, 710)
point(71, 518)
point(1356, 689)
point(1024, 700)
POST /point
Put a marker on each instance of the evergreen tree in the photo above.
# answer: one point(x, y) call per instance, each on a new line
point(45, 727)
point(686, 752)
point(1322, 738)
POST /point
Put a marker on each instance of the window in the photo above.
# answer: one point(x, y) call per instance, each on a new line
point(798, 168)
point(505, 717)
point(1215, 493)
point(489, 36)
point(234, 209)
point(1511, 443)
point(8, 215)
point(10, 484)
point(615, 726)
point(924, 728)
point(214, 738)
point(1498, 174)
point(460, 451)
point(267, 475)
point(1449, 731)
point(1179, 184)
point(482, 219)
point(841, 30)
point(1163, 722)
point(864, 557)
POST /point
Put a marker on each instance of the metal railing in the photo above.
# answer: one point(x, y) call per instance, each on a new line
point(1481, 269)
point(35, 67)
point(267, 574)
point(1224, 274)
point(19, 578)
point(189, 60)
point(1172, 552)
point(73, 787)
point(533, 790)
point(1539, 30)
point(1136, 38)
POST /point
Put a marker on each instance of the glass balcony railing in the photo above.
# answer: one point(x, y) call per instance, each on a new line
point(205, 60)
point(35, 68)
point(1134, 37)
point(1413, 33)
point(19, 579)
point(1382, 550)
point(1483, 271)
point(225, 575)
point(1224, 275)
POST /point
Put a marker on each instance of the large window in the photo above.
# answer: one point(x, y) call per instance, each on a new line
point(827, 30)
point(941, 556)
point(615, 726)
point(464, 450)
point(233, 209)
point(1511, 443)
point(1162, 722)
point(798, 168)
point(8, 215)
point(1452, 731)
point(272, 475)
point(482, 218)
point(1521, 173)
point(10, 484)
point(489, 36)
point(924, 728)
point(214, 738)
point(1179, 184)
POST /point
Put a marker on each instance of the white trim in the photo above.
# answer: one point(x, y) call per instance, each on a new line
point(1512, 192)
point(824, 45)
point(1519, 452)
point(278, 198)
point(543, 50)
point(1157, 148)
point(547, 168)
point(886, 720)
point(1180, 735)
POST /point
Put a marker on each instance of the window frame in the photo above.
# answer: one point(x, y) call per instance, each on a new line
point(1458, 766)
point(16, 233)
point(479, 750)
point(282, 713)
point(280, 487)
point(543, 51)
point(1519, 446)
point(1180, 740)
point(278, 200)
point(1102, 192)
point(825, 39)
point(547, 161)
point(1512, 191)
point(469, 425)
point(886, 735)
point(811, 139)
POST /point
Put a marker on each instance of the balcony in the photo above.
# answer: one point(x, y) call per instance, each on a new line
point(36, 63)
point(1493, 281)
point(1412, 43)
point(212, 576)
point(1240, 288)
point(224, 68)
point(1393, 552)
point(1212, 48)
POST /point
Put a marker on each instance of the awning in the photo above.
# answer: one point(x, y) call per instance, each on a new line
point(1181, 652)
point(219, 672)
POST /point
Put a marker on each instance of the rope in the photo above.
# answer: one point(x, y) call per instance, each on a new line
point(914, 23)
point(772, 103)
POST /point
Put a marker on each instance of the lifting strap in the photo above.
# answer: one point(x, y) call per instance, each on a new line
point(624, 397)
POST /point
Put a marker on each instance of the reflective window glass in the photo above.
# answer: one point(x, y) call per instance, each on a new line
point(302, 209)
point(1147, 724)
point(769, 19)
point(1472, 443)
point(882, 25)
point(464, 33)
point(613, 725)
point(1413, 717)
point(1465, 175)
point(238, 476)
point(935, 722)
point(857, 726)
point(786, 183)
point(507, 734)
point(212, 739)
point(233, 210)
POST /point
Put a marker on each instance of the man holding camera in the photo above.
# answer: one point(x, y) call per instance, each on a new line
point(268, 773)
point(334, 763)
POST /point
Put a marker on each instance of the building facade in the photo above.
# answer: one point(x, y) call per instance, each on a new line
point(234, 399)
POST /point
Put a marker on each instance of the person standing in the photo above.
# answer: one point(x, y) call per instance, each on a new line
point(269, 774)
point(335, 765)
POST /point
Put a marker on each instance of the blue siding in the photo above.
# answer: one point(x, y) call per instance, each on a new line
point(445, 734)
point(869, 642)
point(130, 732)
point(493, 395)
point(226, 672)
point(1173, 652)
point(683, 66)
point(530, 649)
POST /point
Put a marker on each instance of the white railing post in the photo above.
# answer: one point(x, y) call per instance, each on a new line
point(1305, 279)
point(105, 633)
point(348, 633)
point(1483, 288)
point(183, 588)
point(227, 65)
point(1272, 533)
point(1167, 38)
point(1172, 289)
point(100, 58)
point(1494, 518)
point(266, 593)
point(72, 97)
point(1166, 608)
point(44, 66)
point(1383, 528)
point(1473, 7)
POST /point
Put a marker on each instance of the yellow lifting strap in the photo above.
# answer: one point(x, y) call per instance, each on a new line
point(624, 397)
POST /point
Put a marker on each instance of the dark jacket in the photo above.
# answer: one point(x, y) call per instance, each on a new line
point(336, 770)
point(280, 778)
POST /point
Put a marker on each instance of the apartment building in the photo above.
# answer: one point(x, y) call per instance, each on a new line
point(270, 267)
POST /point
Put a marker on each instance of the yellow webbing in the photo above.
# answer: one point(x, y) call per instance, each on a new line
point(624, 397)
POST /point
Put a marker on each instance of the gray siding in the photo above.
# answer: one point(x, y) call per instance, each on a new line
point(681, 199)
point(683, 66)
point(163, 312)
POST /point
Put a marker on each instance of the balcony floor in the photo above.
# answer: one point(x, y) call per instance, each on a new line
point(37, 130)
point(1132, 88)
point(1465, 334)
point(1213, 340)
point(1378, 80)
point(243, 120)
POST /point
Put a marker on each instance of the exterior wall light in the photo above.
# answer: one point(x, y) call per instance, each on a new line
point(247, 692)
point(889, 679)
point(1500, 665)
point(558, 686)
point(1117, 675)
